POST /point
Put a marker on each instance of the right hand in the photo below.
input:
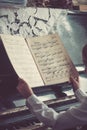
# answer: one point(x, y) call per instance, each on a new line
point(24, 89)
point(75, 83)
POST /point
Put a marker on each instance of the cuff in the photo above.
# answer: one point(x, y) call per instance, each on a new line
point(33, 99)
point(79, 93)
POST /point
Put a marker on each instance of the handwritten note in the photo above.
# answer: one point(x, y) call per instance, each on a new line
point(22, 60)
point(51, 59)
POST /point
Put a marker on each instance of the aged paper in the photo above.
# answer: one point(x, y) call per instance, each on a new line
point(51, 59)
point(21, 59)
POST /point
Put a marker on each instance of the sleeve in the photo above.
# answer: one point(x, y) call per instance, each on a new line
point(80, 95)
point(68, 119)
point(42, 111)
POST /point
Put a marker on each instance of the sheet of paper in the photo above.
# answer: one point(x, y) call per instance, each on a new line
point(52, 59)
point(21, 59)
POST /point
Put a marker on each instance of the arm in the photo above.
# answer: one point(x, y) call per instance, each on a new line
point(70, 118)
point(42, 112)
point(45, 114)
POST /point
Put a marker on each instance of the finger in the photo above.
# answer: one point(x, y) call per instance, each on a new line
point(72, 79)
point(74, 82)
point(21, 82)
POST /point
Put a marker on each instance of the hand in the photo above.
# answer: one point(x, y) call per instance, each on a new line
point(24, 89)
point(75, 83)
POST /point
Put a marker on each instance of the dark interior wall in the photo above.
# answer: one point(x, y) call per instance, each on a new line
point(51, 3)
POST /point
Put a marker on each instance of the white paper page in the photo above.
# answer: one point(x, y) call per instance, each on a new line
point(21, 59)
point(52, 60)
point(83, 83)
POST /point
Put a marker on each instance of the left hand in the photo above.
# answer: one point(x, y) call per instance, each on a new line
point(24, 89)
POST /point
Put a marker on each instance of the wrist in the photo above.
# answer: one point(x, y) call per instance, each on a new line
point(28, 95)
